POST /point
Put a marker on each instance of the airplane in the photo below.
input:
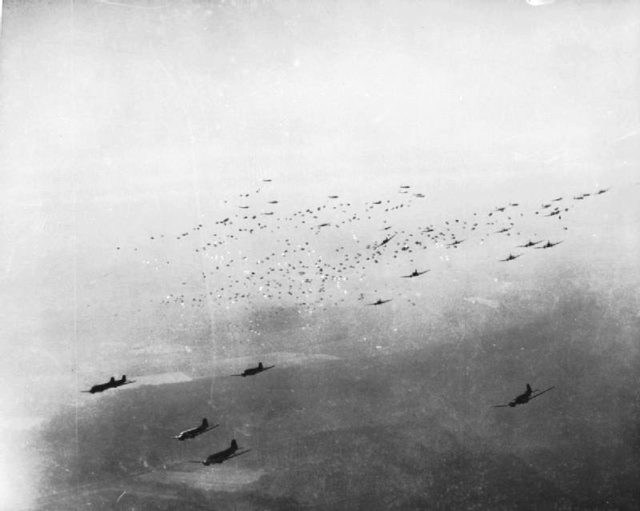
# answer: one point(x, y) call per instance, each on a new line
point(379, 302)
point(385, 241)
point(111, 384)
point(415, 273)
point(523, 399)
point(511, 257)
point(548, 244)
point(529, 244)
point(253, 370)
point(222, 456)
point(194, 432)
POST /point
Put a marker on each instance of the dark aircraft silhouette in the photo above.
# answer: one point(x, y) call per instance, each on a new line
point(111, 384)
point(529, 244)
point(379, 302)
point(415, 273)
point(510, 258)
point(222, 456)
point(385, 241)
point(194, 432)
point(524, 398)
point(548, 244)
point(251, 371)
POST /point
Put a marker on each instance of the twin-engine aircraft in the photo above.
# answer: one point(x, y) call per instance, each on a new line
point(111, 384)
point(251, 371)
point(194, 432)
point(222, 456)
point(414, 273)
point(523, 399)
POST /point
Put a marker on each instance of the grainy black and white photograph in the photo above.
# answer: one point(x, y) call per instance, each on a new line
point(320, 255)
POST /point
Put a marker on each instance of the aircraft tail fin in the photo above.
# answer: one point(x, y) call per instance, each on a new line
point(529, 389)
point(234, 444)
point(260, 365)
point(205, 423)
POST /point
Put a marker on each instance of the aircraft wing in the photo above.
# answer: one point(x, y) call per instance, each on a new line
point(268, 367)
point(499, 406)
point(208, 429)
point(238, 454)
point(541, 392)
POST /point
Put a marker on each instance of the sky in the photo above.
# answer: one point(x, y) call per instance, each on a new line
point(121, 120)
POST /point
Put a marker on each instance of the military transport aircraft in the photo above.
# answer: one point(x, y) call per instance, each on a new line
point(111, 384)
point(530, 244)
point(523, 399)
point(253, 370)
point(384, 241)
point(222, 456)
point(511, 257)
point(194, 432)
point(548, 244)
point(415, 273)
point(379, 302)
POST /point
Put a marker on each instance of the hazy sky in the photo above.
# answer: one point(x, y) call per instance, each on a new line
point(123, 118)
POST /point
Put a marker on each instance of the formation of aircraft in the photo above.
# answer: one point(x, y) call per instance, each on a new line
point(111, 384)
point(194, 432)
point(525, 397)
point(251, 371)
point(295, 256)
